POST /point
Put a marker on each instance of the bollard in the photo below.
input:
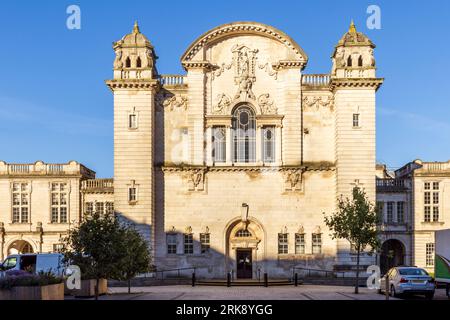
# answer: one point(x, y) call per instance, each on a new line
point(266, 280)
point(193, 279)
point(229, 279)
point(296, 279)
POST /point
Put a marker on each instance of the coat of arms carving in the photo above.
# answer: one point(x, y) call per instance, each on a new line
point(244, 61)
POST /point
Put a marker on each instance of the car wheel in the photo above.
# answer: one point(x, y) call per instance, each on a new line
point(429, 296)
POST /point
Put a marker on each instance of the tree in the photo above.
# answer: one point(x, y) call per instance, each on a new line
point(356, 221)
point(136, 259)
point(97, 247)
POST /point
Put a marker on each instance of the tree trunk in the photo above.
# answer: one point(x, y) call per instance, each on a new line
point(129, 286)
point(97, 283)
point(357, 271)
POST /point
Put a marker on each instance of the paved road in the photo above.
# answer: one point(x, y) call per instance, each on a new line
point(303, 292)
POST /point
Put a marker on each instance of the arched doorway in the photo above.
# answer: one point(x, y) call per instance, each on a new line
point(392, 254)
point(20, 247)
point(244, 248)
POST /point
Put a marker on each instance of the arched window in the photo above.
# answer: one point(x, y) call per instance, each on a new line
point(128, 63)
point(360, 61)
point(349, 61)
point(243, 234)
point(244, 134)
point(138, 62)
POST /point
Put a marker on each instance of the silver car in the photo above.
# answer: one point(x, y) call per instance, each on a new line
point(408, 280)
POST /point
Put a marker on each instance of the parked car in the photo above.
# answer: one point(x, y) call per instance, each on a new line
point(33, 263)
point(408, 280)
point(442, 259)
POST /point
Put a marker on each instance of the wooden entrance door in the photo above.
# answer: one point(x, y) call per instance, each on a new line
point(244, 263)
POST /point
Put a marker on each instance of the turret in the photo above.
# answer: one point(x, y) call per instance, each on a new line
point(353, 56)
point(135, 57)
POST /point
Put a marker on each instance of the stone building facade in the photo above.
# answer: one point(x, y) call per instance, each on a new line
point(414, 202)
point(40, 203)
point(231, 166)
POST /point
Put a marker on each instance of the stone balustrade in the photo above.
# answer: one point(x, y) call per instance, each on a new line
point(172, 80)
point(41, 168)
point(97, 184)
point(390, 185)
point(316, 80)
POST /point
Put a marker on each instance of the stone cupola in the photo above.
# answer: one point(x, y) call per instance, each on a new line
point(353, 56)
point(135, 57)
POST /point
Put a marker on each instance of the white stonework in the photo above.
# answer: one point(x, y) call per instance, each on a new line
point(424, 187)
point(190, 185)
point(207, 195)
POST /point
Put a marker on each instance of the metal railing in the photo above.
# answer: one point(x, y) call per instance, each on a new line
point(316, 273)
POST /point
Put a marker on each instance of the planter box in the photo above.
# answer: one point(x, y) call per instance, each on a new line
point(88, 288)
point(50, 292)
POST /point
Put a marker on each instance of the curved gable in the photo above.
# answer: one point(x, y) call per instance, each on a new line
point(243, 28)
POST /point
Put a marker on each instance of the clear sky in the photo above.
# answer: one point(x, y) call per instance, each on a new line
point(55, 107)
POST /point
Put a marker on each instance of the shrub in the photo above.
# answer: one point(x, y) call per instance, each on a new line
point(24, 279)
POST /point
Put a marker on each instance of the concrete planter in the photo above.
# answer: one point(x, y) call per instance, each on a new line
point(50, 292)
point(88, 288)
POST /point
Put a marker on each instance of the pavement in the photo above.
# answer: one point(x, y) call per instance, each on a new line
point(184, 292)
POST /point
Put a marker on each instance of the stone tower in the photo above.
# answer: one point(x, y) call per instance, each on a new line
point(354, 84)
point(134, 87)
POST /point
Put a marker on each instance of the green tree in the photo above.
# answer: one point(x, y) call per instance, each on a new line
point(97, 247)
point(137, 257)
point(356, 221)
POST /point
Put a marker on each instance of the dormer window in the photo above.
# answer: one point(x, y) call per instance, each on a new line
point(138, 62)
point(128, 63)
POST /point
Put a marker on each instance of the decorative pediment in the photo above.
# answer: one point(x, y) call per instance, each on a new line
point(243, 28)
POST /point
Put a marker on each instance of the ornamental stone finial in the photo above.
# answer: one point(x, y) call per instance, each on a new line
point(136, 28)
point(352, 28)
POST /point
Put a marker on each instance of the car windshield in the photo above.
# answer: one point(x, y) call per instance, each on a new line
point(412, 272)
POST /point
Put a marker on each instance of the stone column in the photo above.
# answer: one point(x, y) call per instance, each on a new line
point(209, 146)
point(259, 149)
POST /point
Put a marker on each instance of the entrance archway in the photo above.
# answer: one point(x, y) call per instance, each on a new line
point(20, 247)
point(244, 248)
point(392, 254)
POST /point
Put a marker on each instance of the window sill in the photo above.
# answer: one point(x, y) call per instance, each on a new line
point(132, 203)
point(433, 222)
point(20, 223)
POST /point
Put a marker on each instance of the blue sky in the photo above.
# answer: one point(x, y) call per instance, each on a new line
point(55, 107)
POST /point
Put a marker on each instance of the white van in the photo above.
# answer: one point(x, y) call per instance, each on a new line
point(34, 263)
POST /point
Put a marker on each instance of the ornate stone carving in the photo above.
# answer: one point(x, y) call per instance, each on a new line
point(267, 68)
point(223, 103)
point(266, 104)
point(318, 101)
point(196, 180)
point(171, 102)
point(188, 230)
point(293, 180)
point(118, 64)
point(301, 230)
point(221, 69)
point(244, 61)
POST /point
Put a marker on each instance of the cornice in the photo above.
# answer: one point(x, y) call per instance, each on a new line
point(356, 83)
point(304, 168)
point(118, 84)
point(205, 65)
point(289, 64)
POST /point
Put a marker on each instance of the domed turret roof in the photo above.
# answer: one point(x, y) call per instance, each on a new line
point(354, 38)
point(134, 39)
